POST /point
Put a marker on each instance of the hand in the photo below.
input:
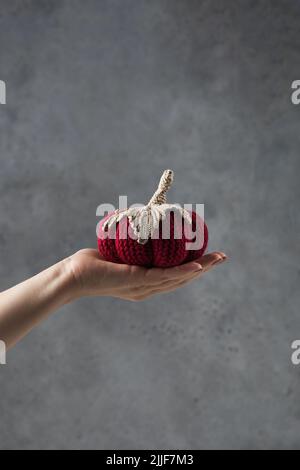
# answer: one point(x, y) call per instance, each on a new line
point(24, 306)
point(94, 276)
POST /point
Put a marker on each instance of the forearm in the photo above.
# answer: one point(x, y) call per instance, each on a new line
point(25, 305)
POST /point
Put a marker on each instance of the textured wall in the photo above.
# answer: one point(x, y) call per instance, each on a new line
point(101, 96)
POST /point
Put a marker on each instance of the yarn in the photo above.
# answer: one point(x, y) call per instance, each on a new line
point(137, 236)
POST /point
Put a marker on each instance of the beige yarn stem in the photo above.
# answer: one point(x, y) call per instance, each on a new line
point(159, 197)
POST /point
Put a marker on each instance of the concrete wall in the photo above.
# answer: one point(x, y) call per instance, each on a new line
point(101, 97)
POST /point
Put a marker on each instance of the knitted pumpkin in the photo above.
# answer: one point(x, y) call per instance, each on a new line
point(157, 234)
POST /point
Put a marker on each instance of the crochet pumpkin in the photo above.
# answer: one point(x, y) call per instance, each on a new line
point(157, 234)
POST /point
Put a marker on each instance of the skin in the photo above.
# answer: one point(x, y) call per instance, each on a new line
point(85, 274)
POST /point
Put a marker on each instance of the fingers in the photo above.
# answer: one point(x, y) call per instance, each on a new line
point(152, 276)
point(156, 276)
point(172, 287)
point(208, 262)
point(211, 259)
point(141, 282)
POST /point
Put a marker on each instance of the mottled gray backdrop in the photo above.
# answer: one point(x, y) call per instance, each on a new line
point(101, 97)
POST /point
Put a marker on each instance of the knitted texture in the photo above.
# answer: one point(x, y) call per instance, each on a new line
point(115, 247)
point(158, 234)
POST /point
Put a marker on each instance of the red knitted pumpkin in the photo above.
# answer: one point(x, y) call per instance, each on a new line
point(158, 234)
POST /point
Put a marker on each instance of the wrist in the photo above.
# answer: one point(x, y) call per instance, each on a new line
point(71, 285)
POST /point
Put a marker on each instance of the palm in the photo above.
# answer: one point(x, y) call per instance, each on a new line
point(95, 276)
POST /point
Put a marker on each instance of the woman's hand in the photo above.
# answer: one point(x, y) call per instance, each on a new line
point(83, 274)
point(94, 276)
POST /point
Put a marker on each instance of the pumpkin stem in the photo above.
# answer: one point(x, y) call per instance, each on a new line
point(159, 197)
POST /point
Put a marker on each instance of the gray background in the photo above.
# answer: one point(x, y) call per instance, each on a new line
point(102, 96)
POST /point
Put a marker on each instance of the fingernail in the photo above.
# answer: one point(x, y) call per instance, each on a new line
point(191, 267)
point(199, 268)
point(219, 260)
